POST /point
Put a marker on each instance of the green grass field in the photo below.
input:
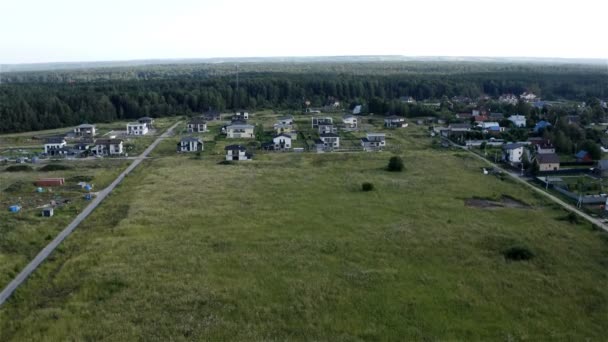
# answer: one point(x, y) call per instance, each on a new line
point(287, 247)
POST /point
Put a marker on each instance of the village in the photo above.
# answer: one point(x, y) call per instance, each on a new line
point(241, 135)
point(319, 159)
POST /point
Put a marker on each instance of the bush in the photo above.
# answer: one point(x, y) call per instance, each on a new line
point(572, 218)
point(518, 253)
point(54, 167)
point(395, 164)
point(367, 186)
point(18, 168)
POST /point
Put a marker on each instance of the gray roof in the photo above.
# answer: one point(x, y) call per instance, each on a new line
point(240, 126)
point(186, 139)
point(235, 148)
point(602, 164)
point(547, 158)
point(511, 146)
point(55, 140)
point(85, 126)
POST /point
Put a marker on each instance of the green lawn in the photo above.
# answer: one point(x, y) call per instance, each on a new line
point(24, 234)
point(287, 247)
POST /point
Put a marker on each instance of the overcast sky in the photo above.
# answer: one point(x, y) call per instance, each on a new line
point(88, 30)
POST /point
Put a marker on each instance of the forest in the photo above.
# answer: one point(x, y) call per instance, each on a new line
point(44, 100)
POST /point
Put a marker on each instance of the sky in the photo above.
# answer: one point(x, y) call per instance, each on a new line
point(37, 31)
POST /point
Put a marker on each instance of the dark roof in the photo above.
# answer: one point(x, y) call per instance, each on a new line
point(288, 117)
point(460, 125)
point(329, 135)
point(545, 145)
point(235, 148)
point(511, 146)
point(319, 142)
point(394, 117)
point(197, 121)
point(107, 141)
point(283, 135)
point(55, 140)
point(364, 140)
point(238, 122)
point(547, 158)
point(145, 118)
point(190, 139)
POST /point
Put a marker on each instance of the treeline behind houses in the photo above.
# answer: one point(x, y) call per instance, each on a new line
point(26, 106)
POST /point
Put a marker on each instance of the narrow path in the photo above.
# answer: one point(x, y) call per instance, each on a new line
point(34, 264)
point(540, 191)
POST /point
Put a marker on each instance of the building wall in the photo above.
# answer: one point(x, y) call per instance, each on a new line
point(548, 167)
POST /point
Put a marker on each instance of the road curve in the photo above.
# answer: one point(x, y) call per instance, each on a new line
point(35, 263)
point(540, 191)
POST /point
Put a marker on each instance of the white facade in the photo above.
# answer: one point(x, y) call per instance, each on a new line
point(282, 142)
point(108, 147)
point(316, 121)
point(197, 127)
point(54, 144)
point(85, 130)
point(190, 145)
point(518, 120)
point(240, 131)
point(373, 141)
point(514, 153)
point(236, 153)
point(350, 121)
point(136, 128)
point(324, 129)
point(330, 140)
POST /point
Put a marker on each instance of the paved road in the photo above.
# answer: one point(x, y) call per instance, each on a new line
point(33, 265)
point(540, 191)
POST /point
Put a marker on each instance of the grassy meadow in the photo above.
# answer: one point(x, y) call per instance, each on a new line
point(24, 234)
point(288, 247)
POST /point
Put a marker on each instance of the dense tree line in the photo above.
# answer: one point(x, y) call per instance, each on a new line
point(27, 105)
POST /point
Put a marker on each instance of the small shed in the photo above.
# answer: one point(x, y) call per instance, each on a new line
point(47, 212)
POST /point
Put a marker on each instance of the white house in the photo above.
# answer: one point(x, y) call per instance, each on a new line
point(190, 144)
point(55, 143)
point(373, 141)
point(285, 120)
point(236, 152)
point(518, 120)
point(197, 125)
point(241, 115)
point(240, 131)
point(350, 121)
point(323, 128)
point(330, 140)
point(108, 147)
point(528, 97)
point(508, 98)
point(136, 128)
point(316, 121)
point(282, 142)
point(513, 153)
point(84, 130)
point(394, 122)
